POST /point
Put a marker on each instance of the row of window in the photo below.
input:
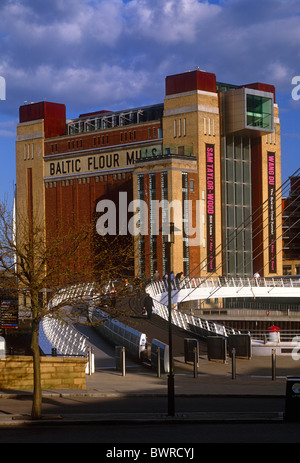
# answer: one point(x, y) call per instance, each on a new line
point(180, 127)
point(163, 188)
point(103, 140)
point(237, 230)
point(271, 138)
point(209, 127)
point(28, 151)
point(86, 180)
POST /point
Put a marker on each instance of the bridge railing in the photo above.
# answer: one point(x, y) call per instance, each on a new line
point(59, 335)
point(72, 294)
point(191, 323)
point(216, 282)
point(121, 335)
point(66, 340)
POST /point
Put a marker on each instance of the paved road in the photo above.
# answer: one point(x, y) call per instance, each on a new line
point(188, 434)
point(96, 406)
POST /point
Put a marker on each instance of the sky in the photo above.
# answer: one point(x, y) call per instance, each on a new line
point(115, 54)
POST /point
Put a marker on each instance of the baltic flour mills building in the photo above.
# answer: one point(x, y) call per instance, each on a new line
point(207, 159)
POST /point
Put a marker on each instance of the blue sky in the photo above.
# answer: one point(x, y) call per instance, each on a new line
point(115, 54)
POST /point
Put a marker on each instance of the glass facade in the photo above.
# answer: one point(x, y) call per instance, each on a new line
point(141, 195)
point(259, 111)
point(237, 228)
point(165, 216)
point(154, 186)
point(153, 224)
point(185, 224)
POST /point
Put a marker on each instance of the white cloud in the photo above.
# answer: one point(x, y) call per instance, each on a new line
point(110, 52)
point(170, 22)
point(8, 129)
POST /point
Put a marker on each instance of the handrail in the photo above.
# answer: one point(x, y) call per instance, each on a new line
point(223, 287)
point(125, 336)
point(64, 338)
point(232, 282)
point(159, 290)
point(189, 322)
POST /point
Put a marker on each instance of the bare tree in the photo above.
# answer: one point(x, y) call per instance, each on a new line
point(37, 266)
point(40, 262)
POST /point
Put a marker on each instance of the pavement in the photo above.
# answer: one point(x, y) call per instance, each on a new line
point(255, 378)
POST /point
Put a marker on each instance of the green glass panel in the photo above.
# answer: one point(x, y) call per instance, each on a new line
point(259, 112)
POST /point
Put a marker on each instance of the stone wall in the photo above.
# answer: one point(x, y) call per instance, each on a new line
point(16, 372)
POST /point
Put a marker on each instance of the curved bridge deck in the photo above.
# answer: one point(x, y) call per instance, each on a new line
point(221, 287)
point(157, 327)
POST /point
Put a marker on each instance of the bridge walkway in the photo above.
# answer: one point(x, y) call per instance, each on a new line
point(157, 327)
point(130, 314)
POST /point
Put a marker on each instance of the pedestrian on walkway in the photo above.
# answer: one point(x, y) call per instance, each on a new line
point(148, 304)
point(256, 278)
point(156, 276)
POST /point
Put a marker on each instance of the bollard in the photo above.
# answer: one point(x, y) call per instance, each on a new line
point(54, 352)
point(120, 359)
point(158, 362)
point(195, 362)
point(123, 362)
point(292, 401)
point(90, 361)
point(233, 364)
point(273, 365)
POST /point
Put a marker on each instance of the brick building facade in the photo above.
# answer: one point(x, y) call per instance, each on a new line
point(210, 150)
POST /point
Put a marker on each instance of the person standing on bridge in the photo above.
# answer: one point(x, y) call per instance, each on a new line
point(148, 304)
point(256, 277)
point(156, 276)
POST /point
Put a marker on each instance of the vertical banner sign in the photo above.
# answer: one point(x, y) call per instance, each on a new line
point(272, 213)
point(210, 207)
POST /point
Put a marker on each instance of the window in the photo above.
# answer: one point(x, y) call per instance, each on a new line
point(237, 203)
point(185, 222)
point(259, 111)
point(142, 227)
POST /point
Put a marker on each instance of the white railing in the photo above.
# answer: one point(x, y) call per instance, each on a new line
point(64, 338)
point(191, 323)
point(133, 341)
point(72, 293)
point(217, 282)
point(222, 287)
point(67, 341)
point(204, 327)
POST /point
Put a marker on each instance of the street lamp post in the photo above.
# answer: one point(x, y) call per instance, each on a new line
point(171, 392)
point(169, 240)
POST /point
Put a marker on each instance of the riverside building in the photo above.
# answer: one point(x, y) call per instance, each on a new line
point(207, 159)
